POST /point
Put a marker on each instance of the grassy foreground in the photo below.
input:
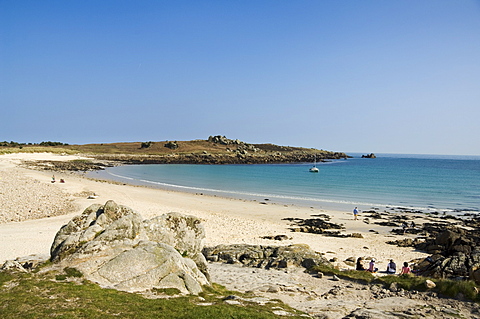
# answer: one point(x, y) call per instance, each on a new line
point(67, 295)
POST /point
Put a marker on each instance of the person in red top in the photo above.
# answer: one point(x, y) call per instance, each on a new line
point(405, 269)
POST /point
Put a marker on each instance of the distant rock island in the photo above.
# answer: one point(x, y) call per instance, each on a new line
point(371, 155)
point(214, 150)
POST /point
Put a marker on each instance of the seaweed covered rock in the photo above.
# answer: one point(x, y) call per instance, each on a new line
point(115, 247)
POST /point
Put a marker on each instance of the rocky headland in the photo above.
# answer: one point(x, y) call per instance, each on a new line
point(215, 150)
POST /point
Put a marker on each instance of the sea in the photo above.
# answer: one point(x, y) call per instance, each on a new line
point(427, 183)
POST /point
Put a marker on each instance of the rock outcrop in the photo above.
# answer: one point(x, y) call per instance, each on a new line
point(115, 247)
point(265, 256)
point(319, 225)
point(455, 254)
point(223, 140)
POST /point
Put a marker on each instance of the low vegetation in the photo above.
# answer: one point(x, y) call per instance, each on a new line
point(37, 149)
point(66, 294)
point(17, 144)
point(149, 148)
point(446, 287)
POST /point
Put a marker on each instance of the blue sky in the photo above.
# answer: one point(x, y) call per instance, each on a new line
point(353, 76)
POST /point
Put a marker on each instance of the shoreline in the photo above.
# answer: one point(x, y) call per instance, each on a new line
point(318, 203)
point(226, 220)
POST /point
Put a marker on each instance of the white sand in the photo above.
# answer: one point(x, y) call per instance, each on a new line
point(226, 221)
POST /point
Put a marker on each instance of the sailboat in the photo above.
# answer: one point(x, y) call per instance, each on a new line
point(314, 169)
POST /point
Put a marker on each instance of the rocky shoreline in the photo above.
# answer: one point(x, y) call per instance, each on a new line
point(100, 162)
point(216, 150)
point(237, 158)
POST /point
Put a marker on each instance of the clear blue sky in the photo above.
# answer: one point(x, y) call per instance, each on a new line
point(355, 76)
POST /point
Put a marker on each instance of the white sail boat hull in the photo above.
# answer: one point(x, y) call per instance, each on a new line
point(314, 169)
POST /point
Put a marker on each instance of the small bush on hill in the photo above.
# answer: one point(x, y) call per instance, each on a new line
point(146, 144)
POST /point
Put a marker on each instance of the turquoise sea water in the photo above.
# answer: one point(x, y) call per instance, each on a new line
point(428, 183)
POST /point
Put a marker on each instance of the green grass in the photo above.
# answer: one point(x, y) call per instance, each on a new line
point(166, 291)
point(359, 276)
point(453, 288)
point(69, 273)
point(4, 277)
point(407, 282)
point(41, 296)
point(446, 287)
point(72, 272)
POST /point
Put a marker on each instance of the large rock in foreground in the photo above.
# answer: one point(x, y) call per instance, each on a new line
point(115, 247)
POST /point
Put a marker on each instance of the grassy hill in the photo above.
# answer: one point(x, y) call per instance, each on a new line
point(214, 150)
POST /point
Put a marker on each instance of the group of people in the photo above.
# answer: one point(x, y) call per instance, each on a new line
point(391, 267)
point(61, 180)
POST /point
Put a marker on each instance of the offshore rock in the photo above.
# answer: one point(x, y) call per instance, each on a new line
point(112, 246)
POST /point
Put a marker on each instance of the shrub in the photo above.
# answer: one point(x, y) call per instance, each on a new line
point(146, 144)
point(72, 272)
point(171, 145)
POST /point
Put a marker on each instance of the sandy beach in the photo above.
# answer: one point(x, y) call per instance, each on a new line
point(32, 214)
point(33, 209)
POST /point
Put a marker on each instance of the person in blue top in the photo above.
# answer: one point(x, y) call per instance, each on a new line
point(355, 213)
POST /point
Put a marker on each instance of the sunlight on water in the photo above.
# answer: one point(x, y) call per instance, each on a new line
point(418, 183)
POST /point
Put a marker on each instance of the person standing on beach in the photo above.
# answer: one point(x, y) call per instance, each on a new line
point(355, 213)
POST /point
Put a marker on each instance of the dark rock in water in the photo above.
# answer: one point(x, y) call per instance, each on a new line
point(371, 155)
